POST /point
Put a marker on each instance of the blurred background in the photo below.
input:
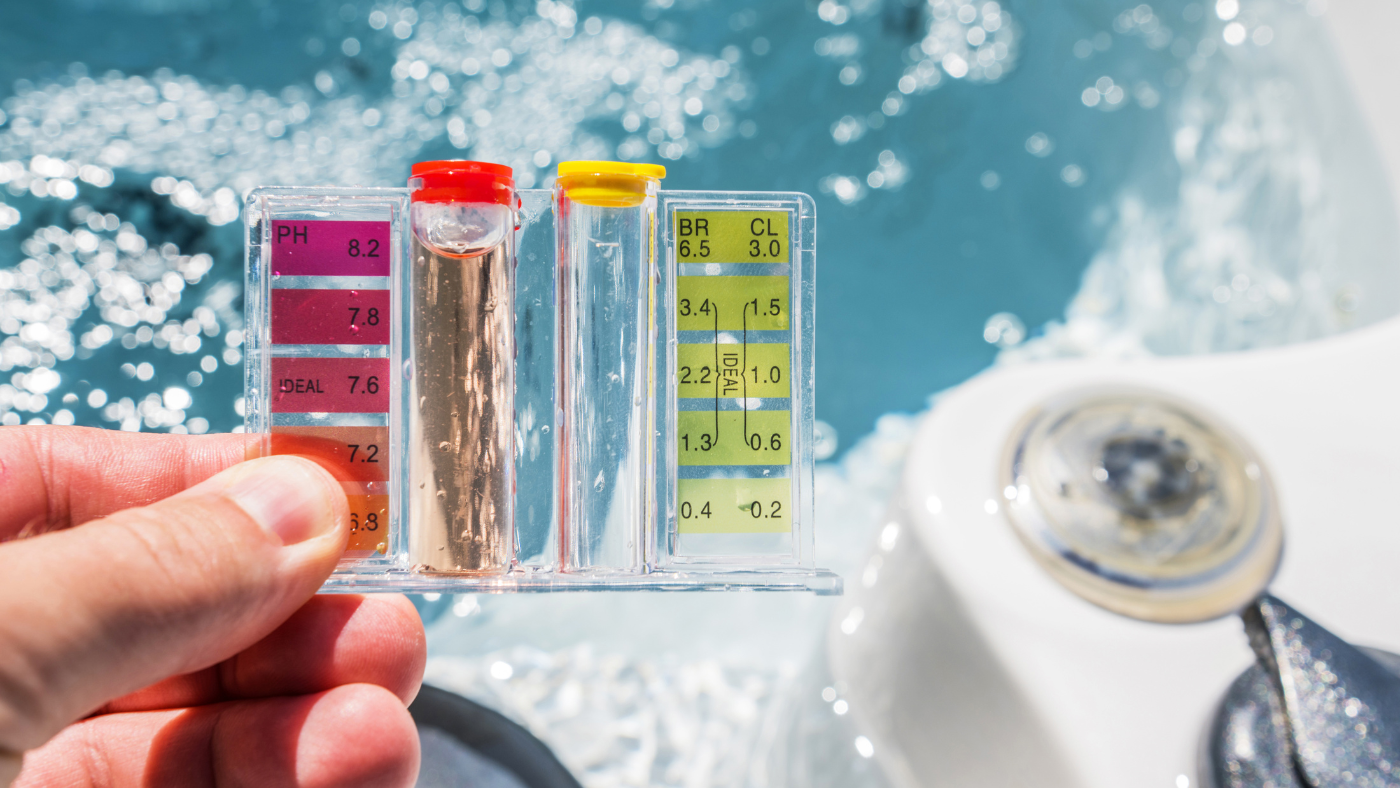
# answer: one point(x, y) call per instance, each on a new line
point(996, 183)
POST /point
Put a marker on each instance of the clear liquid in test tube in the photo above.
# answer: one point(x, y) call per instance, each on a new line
point(459, 420)
point(605, 218)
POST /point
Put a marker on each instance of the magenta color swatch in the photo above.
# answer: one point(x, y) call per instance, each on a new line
point(330, 317)
point(330, 385)
point(322, 248)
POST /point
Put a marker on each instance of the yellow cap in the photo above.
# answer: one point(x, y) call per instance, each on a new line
point(567, 168)
point(616, 184)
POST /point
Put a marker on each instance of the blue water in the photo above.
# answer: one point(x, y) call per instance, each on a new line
point(997, 187)
point(907, 276)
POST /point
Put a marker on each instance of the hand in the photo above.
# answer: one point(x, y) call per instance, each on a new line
point(166, 602)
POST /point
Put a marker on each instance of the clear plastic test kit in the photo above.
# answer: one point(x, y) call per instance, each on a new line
point(603, 386)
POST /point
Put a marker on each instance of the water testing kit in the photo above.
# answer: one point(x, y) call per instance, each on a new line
point(601, 386)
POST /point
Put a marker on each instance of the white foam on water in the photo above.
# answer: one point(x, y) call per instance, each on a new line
point(524, 94)
point(1280, 228)
point(617, 720)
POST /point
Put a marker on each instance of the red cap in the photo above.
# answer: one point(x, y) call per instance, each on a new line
point(462, 181)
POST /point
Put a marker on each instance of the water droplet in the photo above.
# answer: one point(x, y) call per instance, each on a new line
point(545, 428)
point(442, 494)
point(444, 446)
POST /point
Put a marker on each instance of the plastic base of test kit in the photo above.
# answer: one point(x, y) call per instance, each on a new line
point(730, 302)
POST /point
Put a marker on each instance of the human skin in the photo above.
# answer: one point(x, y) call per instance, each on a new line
point(159, 623)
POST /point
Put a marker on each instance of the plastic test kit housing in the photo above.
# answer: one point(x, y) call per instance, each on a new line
point(606, 386)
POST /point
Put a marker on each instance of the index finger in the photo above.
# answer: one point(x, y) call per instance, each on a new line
point(55, 477)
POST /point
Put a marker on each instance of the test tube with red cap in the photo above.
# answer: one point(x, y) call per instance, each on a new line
point(459, 420)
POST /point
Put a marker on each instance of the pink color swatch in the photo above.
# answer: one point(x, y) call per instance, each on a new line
point(330, 317)
point(322, 248)
point(330, 385)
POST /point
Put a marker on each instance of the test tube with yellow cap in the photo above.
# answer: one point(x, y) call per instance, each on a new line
point(605, 218)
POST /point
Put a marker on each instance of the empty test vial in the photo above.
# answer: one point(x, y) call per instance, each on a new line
point(605, 217)
point(459, 365)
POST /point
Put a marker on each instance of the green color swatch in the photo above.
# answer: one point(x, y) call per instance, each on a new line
point(733, 437)
point(734, 506)
point(731, 236)
point(732, 303)
point(730, 370)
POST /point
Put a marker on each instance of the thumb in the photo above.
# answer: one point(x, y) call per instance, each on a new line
point(94, 612)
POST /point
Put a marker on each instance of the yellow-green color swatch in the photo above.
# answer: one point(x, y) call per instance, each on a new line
point(731, 236)
point(730, 370)
point(733, 437)
point(732, 303)
point(734, 506)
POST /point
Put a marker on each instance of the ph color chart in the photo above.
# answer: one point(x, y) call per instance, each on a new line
point(330, 312)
